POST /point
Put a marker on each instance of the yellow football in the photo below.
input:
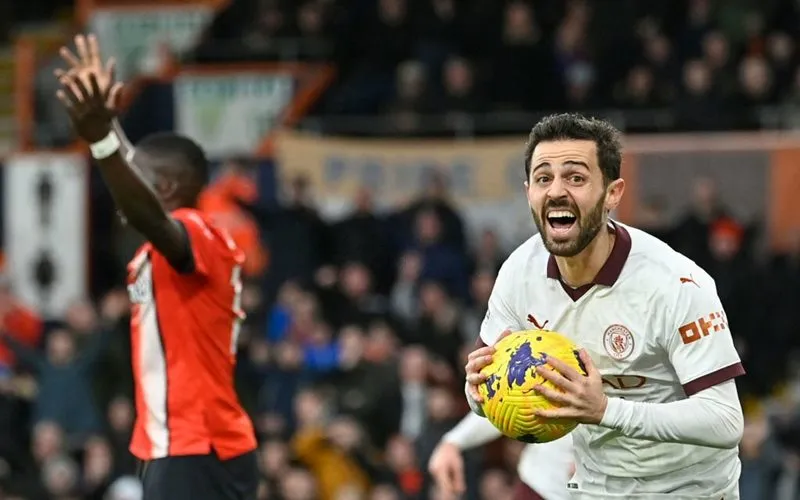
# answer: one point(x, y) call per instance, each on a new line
point(509, 400)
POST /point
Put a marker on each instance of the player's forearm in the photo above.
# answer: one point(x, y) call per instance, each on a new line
point(471, 432)
point(131, 192)
point(712, 418)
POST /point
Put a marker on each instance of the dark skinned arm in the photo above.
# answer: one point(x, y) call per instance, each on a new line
point(140, 206)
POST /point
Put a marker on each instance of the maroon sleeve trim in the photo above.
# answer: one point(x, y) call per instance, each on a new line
point(714, 378)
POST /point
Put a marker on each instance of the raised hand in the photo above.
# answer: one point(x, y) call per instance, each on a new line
point(579, 397)
point(89, 92)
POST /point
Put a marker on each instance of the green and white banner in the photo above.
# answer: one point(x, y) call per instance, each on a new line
point(133, 34)
point(231, 113)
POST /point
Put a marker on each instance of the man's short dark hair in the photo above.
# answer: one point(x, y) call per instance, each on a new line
point(184, 149)
point(572, 126)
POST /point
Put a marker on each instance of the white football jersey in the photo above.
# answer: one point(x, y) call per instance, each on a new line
point(547, 467)
point(656, 330)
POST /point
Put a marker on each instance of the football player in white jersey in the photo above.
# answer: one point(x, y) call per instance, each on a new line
point(543, 469)
point(659, 407)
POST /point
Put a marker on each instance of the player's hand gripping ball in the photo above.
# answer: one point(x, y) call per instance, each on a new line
point(509, 398)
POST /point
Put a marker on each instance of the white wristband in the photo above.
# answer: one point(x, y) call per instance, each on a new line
point(105, 147)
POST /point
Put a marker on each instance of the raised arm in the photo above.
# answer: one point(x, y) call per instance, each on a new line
point(91, 97)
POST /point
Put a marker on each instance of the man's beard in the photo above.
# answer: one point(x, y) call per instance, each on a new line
point(588, 227)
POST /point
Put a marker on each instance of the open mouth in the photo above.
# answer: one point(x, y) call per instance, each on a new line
point(561, 221)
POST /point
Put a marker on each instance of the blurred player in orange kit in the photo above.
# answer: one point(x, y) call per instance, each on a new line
point(191, 432)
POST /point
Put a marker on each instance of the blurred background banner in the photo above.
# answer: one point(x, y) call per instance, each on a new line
point(135, 34)
point(231, 112)
point(485, 170)
point(46, 229)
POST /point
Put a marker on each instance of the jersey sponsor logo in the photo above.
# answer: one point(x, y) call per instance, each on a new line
point(690, 279)
point(535, 322)
point(618, 341)
point(624, 382)
point(703, 327)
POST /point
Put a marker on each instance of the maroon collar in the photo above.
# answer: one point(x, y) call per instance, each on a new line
point(610, 271)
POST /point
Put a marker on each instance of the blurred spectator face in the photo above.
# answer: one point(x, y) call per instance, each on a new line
point(298, 484)
point(410, 267)
point(699, 11)
point(715, 49)
point(363, 201)
point(414, 365)
point(657, 50)
point(457, 77)
point(384, 492)
point(580, 80)
point(274, 458)
point(754, 75)
point(411, 81)
point(351, 346)
point(81, 317)
point(356, 281)
point(704, 196)
point(482, 284)
point(488, 245)
point(432, 298)
point(309, 407)
point(429, 227)
point(270, 17)
point(48, 441)
point(288, 294)
point(60, 476)
point(251, 298)
point(321, 335)
point(696, 77)
point(725, 240)
point(640, 83)
point(392, 12)
point(381, 343)
point(120, 415)
point(97, 461)
point(519, 24)
point(60, 347)
point(310, 19)
point(345, 433)
point(289, 356)
point(400, 454)
point(271, 424)
point(781, 48)
point(444, 9)
point(495, 484)
point(440, 405)
point(436, 186)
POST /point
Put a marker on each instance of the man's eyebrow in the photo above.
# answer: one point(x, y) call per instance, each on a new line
point(569, 163)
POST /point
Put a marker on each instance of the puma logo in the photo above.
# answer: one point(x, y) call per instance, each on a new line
point(533, 320)
point(689, 280)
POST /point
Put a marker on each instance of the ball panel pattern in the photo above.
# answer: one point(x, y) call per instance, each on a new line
point(509, 397)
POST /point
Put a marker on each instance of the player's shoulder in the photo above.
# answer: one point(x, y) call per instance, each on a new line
point(525, 260)
point(655, 265)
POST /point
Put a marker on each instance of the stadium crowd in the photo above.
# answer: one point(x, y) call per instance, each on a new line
point(702, 64)
point(351, 358)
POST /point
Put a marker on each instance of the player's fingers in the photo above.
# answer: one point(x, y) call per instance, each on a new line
point(80, 89)
point(479, 353)
point(553, 395)
point(66, 101)
point(476, 378)
point(587, 362)
point(564, 369)
point(69, 57)
point(97, 95)
point(114, 99)
point(556, 378)
point(474, 394)
point(70, 91)
point(83, 49)
point(564, 412)
point(94, 51)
